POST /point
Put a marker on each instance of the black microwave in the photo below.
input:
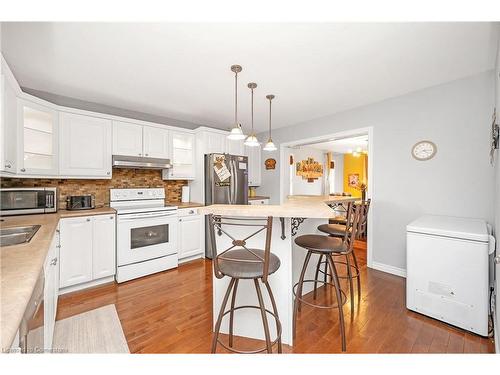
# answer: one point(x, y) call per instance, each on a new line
point(21, 201)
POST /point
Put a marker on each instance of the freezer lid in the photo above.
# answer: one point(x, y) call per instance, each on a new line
point(448, 226)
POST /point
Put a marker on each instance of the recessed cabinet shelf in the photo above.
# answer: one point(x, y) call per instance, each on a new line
point(38, 146)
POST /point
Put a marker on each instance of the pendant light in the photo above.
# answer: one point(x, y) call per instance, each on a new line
point(236, 132)
point(270, 145)
point(252, 140)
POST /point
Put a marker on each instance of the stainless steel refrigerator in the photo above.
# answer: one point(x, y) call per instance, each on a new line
point(226, 182)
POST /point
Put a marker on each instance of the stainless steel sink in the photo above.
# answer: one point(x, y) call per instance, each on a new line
point(17, 235)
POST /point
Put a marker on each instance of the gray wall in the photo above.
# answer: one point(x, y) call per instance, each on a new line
point(458, 181)
point(106, 109)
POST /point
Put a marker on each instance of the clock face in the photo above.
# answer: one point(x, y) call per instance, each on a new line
point(424, 150)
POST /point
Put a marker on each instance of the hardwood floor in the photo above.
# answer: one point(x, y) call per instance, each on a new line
point(171, 312)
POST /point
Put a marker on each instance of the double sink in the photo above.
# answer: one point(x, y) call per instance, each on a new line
point(17, 235)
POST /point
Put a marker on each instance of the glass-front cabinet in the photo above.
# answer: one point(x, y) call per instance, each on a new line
point(38, 134)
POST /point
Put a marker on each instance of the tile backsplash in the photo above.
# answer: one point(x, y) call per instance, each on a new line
point(122, 178)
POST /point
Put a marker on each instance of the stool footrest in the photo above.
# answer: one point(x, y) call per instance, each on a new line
point(260, 350)
point(331, 306)
point(354, 275)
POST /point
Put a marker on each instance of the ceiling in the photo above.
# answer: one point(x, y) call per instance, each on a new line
point(181, 70)
point(344, 145)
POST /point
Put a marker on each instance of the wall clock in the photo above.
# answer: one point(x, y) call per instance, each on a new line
point(424, 150)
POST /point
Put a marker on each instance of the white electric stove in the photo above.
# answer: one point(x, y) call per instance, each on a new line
point(146, 239)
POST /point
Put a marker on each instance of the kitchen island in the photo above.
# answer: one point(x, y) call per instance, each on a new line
point(297, 215)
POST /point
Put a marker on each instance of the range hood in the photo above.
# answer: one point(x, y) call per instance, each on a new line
point(139, 162)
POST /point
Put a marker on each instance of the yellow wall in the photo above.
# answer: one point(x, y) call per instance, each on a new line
point(357, 165)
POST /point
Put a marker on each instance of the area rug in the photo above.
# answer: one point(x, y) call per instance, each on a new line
point(95, 331)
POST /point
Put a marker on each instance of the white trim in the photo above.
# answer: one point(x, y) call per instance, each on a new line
point(388, 269)
point(496, 332)
point(370, 191)
point(191, 257)
point(90, 284)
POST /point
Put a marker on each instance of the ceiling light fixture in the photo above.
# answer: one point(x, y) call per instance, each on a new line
point(270, 145)
point(252, 140)
point(236, 132)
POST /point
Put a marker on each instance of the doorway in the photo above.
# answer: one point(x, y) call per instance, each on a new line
point(342, 164)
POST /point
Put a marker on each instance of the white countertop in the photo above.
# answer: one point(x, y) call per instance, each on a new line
point(295, 206)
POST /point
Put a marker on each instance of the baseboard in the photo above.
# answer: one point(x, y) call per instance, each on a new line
point(388, 269)
point(190, 258)
point(87, 285)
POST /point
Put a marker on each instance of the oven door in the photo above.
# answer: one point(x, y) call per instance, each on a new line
point(145, 236)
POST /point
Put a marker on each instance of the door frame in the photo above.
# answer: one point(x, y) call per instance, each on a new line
point(369, 191)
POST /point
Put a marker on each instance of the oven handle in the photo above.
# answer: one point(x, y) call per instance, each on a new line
point(145, 217)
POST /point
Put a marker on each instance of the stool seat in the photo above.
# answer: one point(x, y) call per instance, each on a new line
point(336, 230)
point(241, 264)
point(322, 244)
point(339, 220)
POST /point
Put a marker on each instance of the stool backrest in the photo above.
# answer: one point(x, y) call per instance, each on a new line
point(365, 206)
point(352, 224)
point(222, 225)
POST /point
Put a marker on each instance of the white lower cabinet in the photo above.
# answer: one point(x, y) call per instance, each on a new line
point(258, 201)
point(191, 232)
point(87, 249)
point(51, 290)
point(103, 246)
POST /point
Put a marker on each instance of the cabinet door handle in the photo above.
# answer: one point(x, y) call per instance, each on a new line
point(191, 211)
point(147, 154)
point(108, 173)
point(23, 169)
point(140, 154)
point(111, 217)
point(53, 262)
point(88, 219)
point(8, 166)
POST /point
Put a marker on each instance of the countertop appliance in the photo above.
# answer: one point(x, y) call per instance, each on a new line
point(140, 162)
point(226, 182)
point(146, 232)
point(80, 202)
point(448, 270)
point(21, 201)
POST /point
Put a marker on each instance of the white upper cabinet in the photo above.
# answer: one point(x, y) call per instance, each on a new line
point(8, 120)
point(234, 147)
point(85, 146)
point(182, 156)
point(127, 139)
point(215, 142)
point(38, 144)
point(254, 165)
point(156, 142)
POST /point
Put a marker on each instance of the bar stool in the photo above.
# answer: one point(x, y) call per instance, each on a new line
point(326, 246)
point(242, 263)
point(339, 231)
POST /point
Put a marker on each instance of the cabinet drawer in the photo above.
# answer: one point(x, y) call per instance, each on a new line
point(187, 212)
point(258, 201)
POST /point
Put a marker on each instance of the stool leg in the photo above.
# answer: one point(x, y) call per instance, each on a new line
point(264, 316)
point(339, 300)
point(275, 310)
point(296, 302)
point(221, 313)
point(231, 314)
point(358, 281)
point(318, 266)
point(351, 287)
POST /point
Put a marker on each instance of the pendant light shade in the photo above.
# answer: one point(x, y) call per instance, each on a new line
point(252, 140)
point(270, 144)
point(236, 132)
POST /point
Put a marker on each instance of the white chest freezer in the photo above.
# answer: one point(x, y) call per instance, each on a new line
point(448, 270)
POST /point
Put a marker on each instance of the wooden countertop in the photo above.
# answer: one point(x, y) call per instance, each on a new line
point(257, 197)
point(294, 206)
point(188, 205)
point(21, 265)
